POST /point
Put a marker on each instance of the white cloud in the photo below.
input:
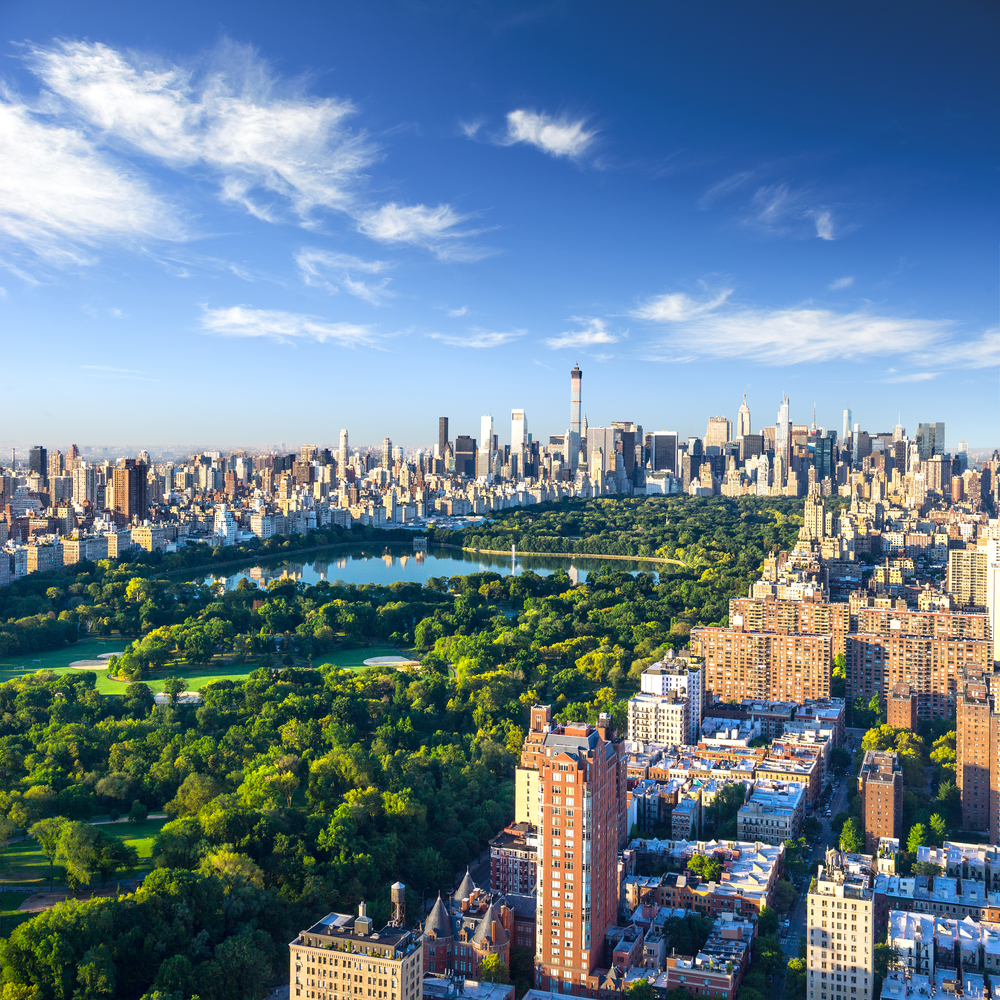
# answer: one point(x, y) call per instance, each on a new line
point(824, 225)
point(780, 210)
point(799, 335)
point(478, 338)
point(845, 282)
point(912, 377)
point(421, 225)
point(593, 332)
point(469, 129)
point(455, 313)
point(982, 351)
point(555, 136)
point(125, 374)
point(726, 186)
point(283, 327)
point(268, 146)
point(108, 368)
point(677, 307)
point(61, 197)
point(333, 271)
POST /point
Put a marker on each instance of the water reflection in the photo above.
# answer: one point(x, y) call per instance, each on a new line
point(385, 566)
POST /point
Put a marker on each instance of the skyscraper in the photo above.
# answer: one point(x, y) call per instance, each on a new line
point(342, 453)
point(465, 456)
point(575, 394)
point(38, 461)
point(485, 463)
point(518, 439)
point(386, 453)
point(783, 437)
point(579, 805)
point(718, 432)
point(846, 436)
point(442, 436)
point(129, 484)
point(663, 451)
point(930, 440)
point(743, 420)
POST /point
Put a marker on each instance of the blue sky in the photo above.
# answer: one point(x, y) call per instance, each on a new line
point(225, 227)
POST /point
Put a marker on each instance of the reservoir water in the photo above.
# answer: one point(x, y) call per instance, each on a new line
point(371, 564)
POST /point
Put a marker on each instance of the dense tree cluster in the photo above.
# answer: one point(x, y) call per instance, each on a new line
point(299, 790)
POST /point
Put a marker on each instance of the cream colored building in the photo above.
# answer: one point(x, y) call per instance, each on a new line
point(840, 930)
point(661, 719)
point(340, 958)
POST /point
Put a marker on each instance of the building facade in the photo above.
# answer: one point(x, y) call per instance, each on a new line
point(880, 783)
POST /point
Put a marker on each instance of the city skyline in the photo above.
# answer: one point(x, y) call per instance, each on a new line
point(356, 207)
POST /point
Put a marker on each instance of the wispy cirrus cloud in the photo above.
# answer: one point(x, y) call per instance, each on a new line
point(282, 327)
point(676, 307)
point(63, 198)
point(555, 136)
point(336, 271)
point(841, 283)
point(270, 146)
point(478, 338)
point(106, 371)
point(781, 210)
point(455, 313)
point(912, 377)
point(592, 333)
point(433, 228)
point(724, 187)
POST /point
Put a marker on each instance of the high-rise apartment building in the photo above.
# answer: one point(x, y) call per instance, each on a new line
point(967, 575)
point(840, 931)
point(342, 453)
point(84, 483)
point(901, 707)
point(771, 666)
point(845, 435)
point(880, 783)
point(783, 438)
point(386, 453)
point(993, 594)
point(977, 753)
point(743, 420)
point(485, 460)
point(518, 438)
point(579, 813)
point(675, 678)
point(129, 486)
point(575, 406)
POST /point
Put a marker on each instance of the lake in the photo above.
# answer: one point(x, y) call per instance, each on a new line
point(372, 564)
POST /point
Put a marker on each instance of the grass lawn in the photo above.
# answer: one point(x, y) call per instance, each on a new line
point(24, 864)
point(9, 915)
point(59, 660)
point(354, 659)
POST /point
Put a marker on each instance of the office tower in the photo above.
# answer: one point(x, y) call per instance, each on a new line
point(743, 420)
point(718, 432)
point(930, 440)
point(751, 445)
point(38, 461)
point(783, 436)
point(342, 454)
point(840, 931)
point(518, 439)
point(846, 434)
point(881, 786)
point(56, 466)
point(442, 436)
point(663, 451)
point(386, 453)
point(977, 745)
point(898, 433)
point(129, 484)
point(575, 396)
point(578, 810)
point(486, 449)
point(602, 439)
point(465, 456)
point(625, 436)
point(823, 456)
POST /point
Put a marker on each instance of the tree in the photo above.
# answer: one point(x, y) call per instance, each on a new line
point(47, 832)
point(172, 687)
point(138, 812)
point(767, 923)
point(851, 838)
point(917, 837)
point(196, 790)
point(641, 989)
point(492, 970)
point(77, 853)
point(112, 855)
point(939, 828)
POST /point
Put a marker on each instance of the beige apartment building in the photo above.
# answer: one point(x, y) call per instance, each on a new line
point(840, 931)
point(340, 958)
